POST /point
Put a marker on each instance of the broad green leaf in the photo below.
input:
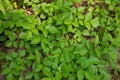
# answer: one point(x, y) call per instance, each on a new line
point(94, 60)
point(58, 76)
point(22, 35)
point(86, 32)
point(35, 31)
point(80, 74)
point(88, 76)
point(107, 1)
point(15, 44)
point(21, 78)
point(2, 7)
point(6, 71)
point(11, 35)
point(70, 29)
point(53, 30)
point(93, 69)
point(14, 55)
point(85, 64)
point(95, 22)
point(28, 35)
point(29, 75)
point(59, 3)
point(36, 40)
point(12, 65)
point(87, 25)
point(81, 9)
point(10, 76)
point(31, 57)
point(19, 60)
point(75, 24)
point(21, 53)
point(46, 71)
point(21, 43)
point(8, 57)
point(88, 16)
point(8, 43)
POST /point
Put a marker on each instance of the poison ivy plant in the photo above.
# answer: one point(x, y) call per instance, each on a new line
point(59, 39)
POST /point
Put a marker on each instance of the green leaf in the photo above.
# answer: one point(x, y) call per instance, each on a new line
point(10, 76)
point(14, 55)
point(94, 60)
point(6, 71)
point(22, 35)
point(95, 22)
point(21, 43)
point(88, 76)
point(28, 35)
point(8, 57)
point(75, 24)
point(96, 40)
point(21, 78)
point(29, 75)
point(1, 29)
point(86, 32)
point(46, 71)
point(87, 25)
point(85, 64)
point(53, 30)
point(81, 9)
point(21, 53)
point(15, 44)
point(8, 43)
point(35, 31)
point(37, 76)
point(2, 7)
point(58, 76)
point(88, 16)
point(80, 74)
point(11, 35)
point(93, 69)
point(12, 65)
point(36, 40)
point(31, 57)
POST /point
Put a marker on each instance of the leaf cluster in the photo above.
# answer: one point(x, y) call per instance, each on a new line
point(59, 39)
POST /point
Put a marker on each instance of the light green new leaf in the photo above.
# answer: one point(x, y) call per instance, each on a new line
point(88, 16)
point(35, 31)
point(35, 40)
point(97, 40)
point(28, 35)
point(86, 32)
point(87, 25)
point(2, 7)
point(95, 22)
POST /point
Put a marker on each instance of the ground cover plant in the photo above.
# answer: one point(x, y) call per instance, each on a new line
point(59, 39)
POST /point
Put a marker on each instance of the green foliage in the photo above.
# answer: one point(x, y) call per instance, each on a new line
point(59, 40)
